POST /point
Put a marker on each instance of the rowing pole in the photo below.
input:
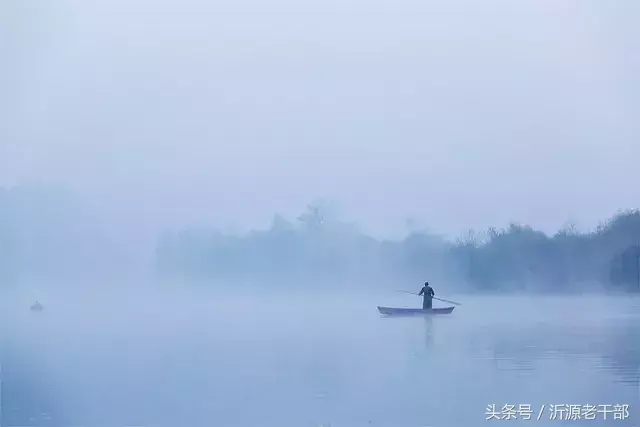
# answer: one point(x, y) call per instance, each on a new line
point(439, 299)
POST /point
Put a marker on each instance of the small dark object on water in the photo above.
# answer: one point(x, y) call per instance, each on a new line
point(37, 307)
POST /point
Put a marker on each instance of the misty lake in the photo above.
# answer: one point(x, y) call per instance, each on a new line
point(262, 360)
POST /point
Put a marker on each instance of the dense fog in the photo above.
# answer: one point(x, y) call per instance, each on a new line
point(50, 237)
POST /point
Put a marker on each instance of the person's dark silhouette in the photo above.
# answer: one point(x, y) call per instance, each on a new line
point(427, 296)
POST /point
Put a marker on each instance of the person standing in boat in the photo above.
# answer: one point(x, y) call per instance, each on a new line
point(427, 294)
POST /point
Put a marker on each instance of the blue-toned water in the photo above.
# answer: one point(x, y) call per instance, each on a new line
point(303, 361)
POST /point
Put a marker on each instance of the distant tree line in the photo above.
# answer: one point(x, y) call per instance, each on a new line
point(523, 258)
point(319, 249)
point(46, 235)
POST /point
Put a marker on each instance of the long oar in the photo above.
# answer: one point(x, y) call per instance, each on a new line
point(446, 300)
point(439, 299)
point(406, 292)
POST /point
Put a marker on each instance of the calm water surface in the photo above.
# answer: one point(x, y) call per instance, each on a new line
point(322, 361)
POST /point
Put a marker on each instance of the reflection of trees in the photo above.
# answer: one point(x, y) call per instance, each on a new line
point(623, 356)
point(615, 345)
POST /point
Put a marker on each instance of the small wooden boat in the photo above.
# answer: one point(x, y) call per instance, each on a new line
point(37, 307)
point(391, 311)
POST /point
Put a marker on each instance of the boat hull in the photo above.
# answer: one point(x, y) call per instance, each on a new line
point(391, 311)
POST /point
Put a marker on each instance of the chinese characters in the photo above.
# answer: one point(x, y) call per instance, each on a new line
point(560, 412)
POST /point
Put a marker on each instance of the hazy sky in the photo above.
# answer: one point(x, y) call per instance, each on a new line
point(462, 114)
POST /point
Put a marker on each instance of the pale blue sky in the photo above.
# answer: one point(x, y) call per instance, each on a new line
point(462, 114)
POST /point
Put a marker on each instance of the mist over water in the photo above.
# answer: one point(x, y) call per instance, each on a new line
point(196, 339)
point(210, 199)
point(205, 358)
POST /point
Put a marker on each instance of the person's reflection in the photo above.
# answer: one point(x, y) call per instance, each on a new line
point(428, 331)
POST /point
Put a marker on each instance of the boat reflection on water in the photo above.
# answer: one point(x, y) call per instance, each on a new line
point(428, 331)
